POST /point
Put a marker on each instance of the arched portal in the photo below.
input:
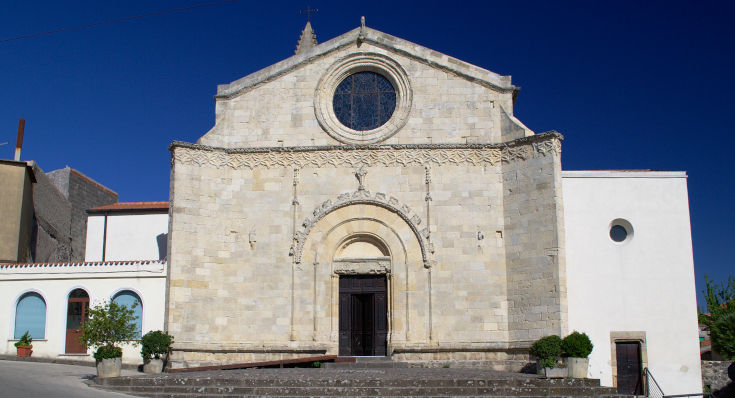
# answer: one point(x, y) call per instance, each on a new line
point(368, 265)
point(362, 262)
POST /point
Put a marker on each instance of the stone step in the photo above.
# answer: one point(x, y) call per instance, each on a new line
point(398, 382)
point(344, 381)
point(365, 365)
point(295, 391)
point(200, 395)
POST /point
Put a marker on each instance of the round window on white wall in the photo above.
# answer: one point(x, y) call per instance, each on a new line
point(621, 230)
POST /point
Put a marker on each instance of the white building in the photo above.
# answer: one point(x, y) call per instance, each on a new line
point(630, 274)
point(126, 263)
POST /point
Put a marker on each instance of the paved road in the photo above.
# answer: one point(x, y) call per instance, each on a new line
point(39, 380)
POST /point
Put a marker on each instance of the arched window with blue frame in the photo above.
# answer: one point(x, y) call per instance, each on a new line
point(130, 299)
point(30, 316)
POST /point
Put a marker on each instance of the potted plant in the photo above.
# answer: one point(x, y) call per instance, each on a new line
point(23, 346)
point(108, 326)
point(155, 344)
point(577, 348)
point(547, 351)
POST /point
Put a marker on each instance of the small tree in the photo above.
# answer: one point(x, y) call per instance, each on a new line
point(109, 325)
point(720, 316)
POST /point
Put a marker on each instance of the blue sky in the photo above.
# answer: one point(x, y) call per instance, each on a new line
point(630, 84)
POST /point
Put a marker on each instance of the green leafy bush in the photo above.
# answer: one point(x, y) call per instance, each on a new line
point(108, 326)
point(154, 344)
point(577, 345)
point(722, 334)
point(547, 350)
point(107, 352)
point(25, 340)
point(720, 316)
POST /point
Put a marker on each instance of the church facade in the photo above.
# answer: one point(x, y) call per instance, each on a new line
point(369, 196)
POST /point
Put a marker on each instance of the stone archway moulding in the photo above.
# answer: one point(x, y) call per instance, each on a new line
point(363, 197)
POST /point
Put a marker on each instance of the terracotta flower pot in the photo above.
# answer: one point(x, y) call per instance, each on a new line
point(24, 351)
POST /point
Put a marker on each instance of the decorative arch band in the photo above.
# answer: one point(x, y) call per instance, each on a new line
point(366, 198)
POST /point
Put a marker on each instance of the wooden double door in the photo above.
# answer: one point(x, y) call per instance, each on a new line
point(363, 315)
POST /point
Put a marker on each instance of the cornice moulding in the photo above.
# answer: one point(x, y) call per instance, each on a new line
point(394, 155)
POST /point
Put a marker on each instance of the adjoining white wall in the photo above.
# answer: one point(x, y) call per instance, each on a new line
point(101, 281)
point(128, 237)
point(643, 284)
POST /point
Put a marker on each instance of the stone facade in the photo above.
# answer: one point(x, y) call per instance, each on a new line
point(453, 199)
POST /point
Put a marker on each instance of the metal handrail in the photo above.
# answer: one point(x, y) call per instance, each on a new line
point(651, 381)
point(659, 393)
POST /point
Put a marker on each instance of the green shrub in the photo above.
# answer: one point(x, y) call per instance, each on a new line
point(720, 316)
point(577, 345)
point(316, 364)
point(25, 340)
point(547, 350)
point(108, 326)
point(722, 334)
point(154, 344)
point(107, 352)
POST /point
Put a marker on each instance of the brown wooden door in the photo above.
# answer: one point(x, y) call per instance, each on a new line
point(363, 320)
point(630, 376)
point(76, 314)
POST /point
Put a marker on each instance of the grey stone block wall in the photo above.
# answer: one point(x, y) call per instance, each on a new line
point(50, 237)
point(61, 199)
point(84, 194)
point(714, 375)
point(60, 178)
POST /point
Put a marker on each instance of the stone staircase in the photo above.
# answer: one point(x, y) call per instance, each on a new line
point(364, 363)
point(353, 382)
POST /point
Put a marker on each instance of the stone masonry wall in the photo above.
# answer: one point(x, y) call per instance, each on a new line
point(84, 194)
point(446, 108)
point(534, 248)
point(714, 375)
point(451, 297)
point(50, 239)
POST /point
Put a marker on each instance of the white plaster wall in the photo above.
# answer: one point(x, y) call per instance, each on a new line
point(643, 284)
point(129, 237)
point(95, 237)
point(54, 286)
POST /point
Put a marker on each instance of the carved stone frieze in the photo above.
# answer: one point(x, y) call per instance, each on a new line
point(368, 155)
point(359, 197)
point(361, 267)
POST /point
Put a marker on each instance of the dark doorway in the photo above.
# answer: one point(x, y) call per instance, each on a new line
point(630, 376)
point(363, 315)
point(76, 314)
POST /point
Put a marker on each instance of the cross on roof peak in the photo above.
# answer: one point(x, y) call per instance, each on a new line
point(308, 12)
